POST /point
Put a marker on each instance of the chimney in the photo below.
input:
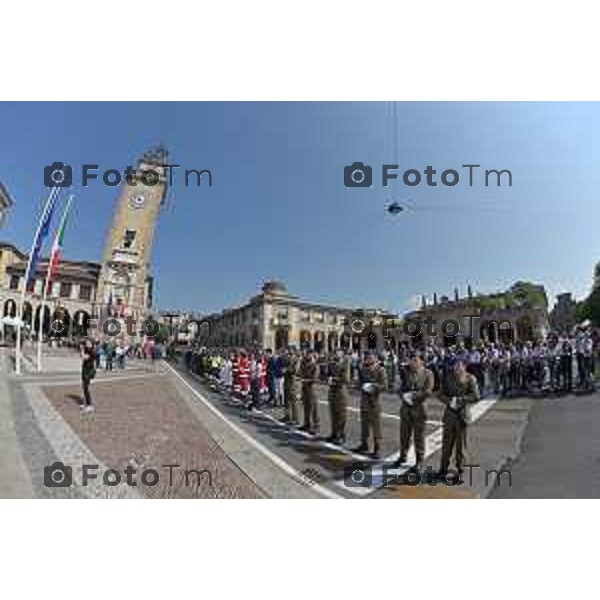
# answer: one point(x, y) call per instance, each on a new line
point(423, 301)
point(455, 294)
point(434, 298)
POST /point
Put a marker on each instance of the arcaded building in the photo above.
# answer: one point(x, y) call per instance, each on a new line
point(276, 319)
point(71, 298)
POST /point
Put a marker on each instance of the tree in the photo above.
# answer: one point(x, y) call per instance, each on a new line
point(590, 308)
point(528, 295)
point(163, 334)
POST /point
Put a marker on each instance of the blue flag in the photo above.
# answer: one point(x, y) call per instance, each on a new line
point(43, 231)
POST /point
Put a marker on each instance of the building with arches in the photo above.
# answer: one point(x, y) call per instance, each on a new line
point(71, 298)
point(276, 319)
point(520, 313)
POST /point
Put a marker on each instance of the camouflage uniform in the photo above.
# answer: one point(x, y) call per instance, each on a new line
point(456, 419)
point(309, 373)
point(370, 405)
point(412, 416)
point(339, 373)
point(290, 387)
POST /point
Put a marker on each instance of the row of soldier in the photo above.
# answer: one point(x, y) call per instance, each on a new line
point(289, 378)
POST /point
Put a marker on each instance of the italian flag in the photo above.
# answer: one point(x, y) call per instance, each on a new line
point(57, 248)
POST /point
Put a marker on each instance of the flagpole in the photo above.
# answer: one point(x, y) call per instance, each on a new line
point(49, 202)
point(45, 291)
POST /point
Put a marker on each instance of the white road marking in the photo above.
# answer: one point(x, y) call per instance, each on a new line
point(384, 415)
point(97, 380)
point(433, 442)
point(283, 465)
point(312, 438)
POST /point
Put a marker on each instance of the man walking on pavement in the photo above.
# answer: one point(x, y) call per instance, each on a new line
point(88, 372)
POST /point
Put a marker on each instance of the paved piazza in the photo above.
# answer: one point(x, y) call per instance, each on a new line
point(155, 414)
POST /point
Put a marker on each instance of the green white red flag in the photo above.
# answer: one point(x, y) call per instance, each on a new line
point(57, 248)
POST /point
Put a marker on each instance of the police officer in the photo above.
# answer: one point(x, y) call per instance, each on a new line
point(309, 372)
point(372, 382)
point(291, 367)
point(458, 394)
point(339, 380)
point(418, 388)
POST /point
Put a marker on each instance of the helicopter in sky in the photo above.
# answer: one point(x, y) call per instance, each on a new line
point(395, 207)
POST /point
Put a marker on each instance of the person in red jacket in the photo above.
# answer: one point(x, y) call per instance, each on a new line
point(244, 374)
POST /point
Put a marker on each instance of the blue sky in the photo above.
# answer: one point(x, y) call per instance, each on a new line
point(278, 207)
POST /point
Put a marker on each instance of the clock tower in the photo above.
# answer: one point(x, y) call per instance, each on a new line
point(125, 283)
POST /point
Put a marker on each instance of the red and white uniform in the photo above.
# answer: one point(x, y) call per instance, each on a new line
point(244, 375)
point(262, 374)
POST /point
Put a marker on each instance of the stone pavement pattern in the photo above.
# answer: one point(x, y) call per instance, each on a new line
point(143, 423)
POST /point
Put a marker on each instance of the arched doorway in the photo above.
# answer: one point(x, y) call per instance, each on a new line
point(318, 341)
point(27, 314)
point(345, 341)
point(505, 333)
point(332, 341)
point(305, 340)
point(281, 338)
point(81, 323)
point(525, 328)
point(356, 341)
point(60, 324)
point(489, 331)
point(10, 308)
point(372, 341)
point(45, 320)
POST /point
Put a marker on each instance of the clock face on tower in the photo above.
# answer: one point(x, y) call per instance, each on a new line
point(137, 201)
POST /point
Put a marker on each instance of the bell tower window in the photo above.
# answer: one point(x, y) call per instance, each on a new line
point(128, 238)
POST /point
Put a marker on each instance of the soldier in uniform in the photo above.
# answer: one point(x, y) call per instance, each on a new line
point(459, 392)
point(372, 381)
point(418, 387)
point(309, 372)
point(290, 387)
point(339, 380)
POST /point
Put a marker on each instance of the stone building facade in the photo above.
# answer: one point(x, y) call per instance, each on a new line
point(492, 317)
point(71, 298)
point(276, 319)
